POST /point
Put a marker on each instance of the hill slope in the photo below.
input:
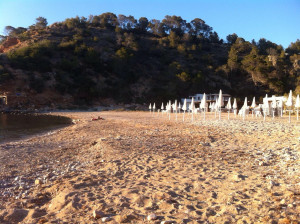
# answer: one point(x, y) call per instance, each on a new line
point(109, 59)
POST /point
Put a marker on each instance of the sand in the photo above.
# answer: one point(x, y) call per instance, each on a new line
point(135, 164)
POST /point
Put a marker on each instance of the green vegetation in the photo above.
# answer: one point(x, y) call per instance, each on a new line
point(130, 60)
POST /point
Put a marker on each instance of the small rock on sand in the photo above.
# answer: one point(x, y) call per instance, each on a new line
point(97, 214)
point(152, 216)
point(38, 182)
point(106, 219)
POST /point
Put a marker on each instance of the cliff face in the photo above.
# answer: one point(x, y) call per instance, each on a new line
point(9, 43)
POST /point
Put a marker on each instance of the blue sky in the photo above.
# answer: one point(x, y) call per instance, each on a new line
point(275, 20)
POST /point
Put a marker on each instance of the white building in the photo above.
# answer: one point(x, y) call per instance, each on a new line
point(210, 98)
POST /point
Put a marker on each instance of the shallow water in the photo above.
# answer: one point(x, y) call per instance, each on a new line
point(17, 126)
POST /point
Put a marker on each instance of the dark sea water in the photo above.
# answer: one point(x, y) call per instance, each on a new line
point(17, 126)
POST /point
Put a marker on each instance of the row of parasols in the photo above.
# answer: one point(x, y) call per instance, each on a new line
point(257, 110)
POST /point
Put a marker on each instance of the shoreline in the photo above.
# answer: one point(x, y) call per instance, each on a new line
point(26, 134)
point(132, 164)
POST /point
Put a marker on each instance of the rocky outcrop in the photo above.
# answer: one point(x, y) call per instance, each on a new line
point(8, 44)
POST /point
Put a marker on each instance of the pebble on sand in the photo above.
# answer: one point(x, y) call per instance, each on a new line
point(152, 216)
point(106, 219)
point(97, 214)
point(38, 182)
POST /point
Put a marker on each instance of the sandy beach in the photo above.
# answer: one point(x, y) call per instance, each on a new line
point(136, 167)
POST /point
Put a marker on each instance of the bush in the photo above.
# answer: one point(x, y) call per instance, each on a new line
point(34, 57)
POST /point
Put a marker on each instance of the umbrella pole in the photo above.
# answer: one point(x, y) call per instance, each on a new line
point(220, 114)
point(289, 116)
point(183, 115)
point(228, 114)
point(176, 115)
point(192, 116)
point(297, 114)
point(204, 114)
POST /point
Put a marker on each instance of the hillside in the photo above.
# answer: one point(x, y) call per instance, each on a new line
point(109, 59)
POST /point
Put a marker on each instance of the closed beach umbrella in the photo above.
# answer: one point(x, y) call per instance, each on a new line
point(184, 108)
point(192, 108)
point(253, 105)
point(245, 103)
point(192, 105)
point(184, 105)
point(220, 103)
point(203, 104)
point(213, 106)
point(150, 108)
point(297, 105)
point(265, 106)
point(154, 107)
point(220, 100)
point(234, 106)
point(280, 105)
point(169, 109)
point(274, 105)
point(175, 108)
point(289, 103)
point(228, 106)
point(162, 106)
point(244, 108)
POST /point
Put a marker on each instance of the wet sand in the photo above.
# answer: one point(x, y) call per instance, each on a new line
point(133, 164)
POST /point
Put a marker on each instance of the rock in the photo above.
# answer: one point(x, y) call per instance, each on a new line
point(282, 202)
point(152, 216)
point(97, 214)
point(106, 219)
